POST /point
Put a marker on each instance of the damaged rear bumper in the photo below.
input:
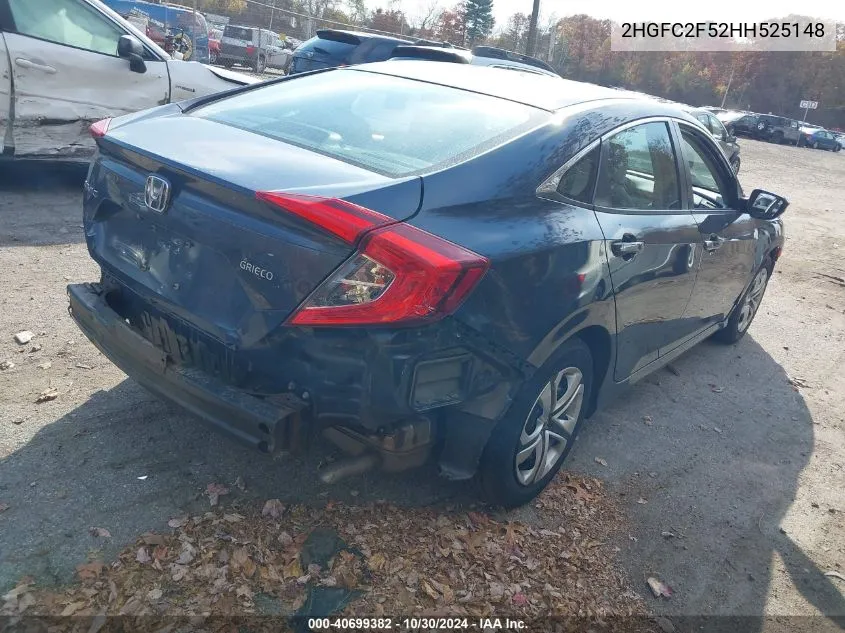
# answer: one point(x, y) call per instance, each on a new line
point(253, 421)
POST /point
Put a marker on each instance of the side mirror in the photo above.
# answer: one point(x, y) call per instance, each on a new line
point(130, 48)
point(765, 205)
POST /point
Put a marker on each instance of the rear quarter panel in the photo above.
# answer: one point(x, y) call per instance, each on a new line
point(548, 275)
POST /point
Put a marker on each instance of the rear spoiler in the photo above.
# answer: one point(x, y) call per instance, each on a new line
point(338, 36)
point(431, 53)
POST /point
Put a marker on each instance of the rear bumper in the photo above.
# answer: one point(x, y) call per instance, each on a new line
point(253, 421)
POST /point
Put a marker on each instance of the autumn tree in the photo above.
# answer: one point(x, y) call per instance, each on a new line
point(479, 19)
point(451, 26)
point(222, 6)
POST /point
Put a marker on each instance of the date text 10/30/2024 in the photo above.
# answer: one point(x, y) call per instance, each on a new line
point(437, 624)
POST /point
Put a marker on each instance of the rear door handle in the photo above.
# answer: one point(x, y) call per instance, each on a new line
point(626, 249)
point(28, 63)
point(713, 243)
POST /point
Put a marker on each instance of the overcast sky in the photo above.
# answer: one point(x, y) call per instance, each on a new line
point(662, 11)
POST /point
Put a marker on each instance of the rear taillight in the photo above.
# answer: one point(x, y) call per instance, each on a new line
point(99, 129)
point(250, 50)
point(399, 275)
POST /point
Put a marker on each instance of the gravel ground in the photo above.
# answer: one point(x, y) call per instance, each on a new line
point(730, 476)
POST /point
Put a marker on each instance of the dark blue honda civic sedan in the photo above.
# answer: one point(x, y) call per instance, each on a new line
point(416, 260)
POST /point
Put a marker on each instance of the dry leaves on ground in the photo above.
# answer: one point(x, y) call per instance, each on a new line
point(383, 560)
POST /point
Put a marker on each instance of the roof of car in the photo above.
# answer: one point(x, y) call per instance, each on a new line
point(540, 91)
point(360, 34)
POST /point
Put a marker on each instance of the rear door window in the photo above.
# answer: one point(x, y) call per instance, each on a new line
point(390, 125)
point(238, 33)
point(638, 170)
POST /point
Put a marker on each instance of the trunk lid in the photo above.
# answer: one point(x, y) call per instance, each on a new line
point(216, 257)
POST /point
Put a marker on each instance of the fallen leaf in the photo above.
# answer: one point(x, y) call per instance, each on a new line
point(89, 571)
point(716, 389)
point(641, 501)
point(72, 608)
point(659, 588)
point(519, 599)
point(143, 556)
point(150, 538)
point(45, 396)
point(233, 518)
point(429, 590)
point(293, 569)
point(376, 562)
point(599, 460)
point(154, 594)
point(273, 508)
point(177, 523)
point(214, 492)
point(99, 532)
point(17, 591)
point(285, 539)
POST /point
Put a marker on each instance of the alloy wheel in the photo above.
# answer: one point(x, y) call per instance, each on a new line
point(752, 299)
point(549, 427)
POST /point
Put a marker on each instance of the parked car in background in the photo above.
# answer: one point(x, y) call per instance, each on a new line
point(840, 137)
point(726, 141)
point(214, 37)
point(334, 47)
point(501, 58)
point(76, 62)
point(818, 138)
point(254, 47)
point(741, 123)
point(373, 290)
point(778, 129)
point(173, 27)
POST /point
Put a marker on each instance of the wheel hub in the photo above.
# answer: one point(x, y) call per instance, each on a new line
point(549, 426)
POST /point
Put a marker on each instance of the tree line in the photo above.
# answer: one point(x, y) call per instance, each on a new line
point(578, 47)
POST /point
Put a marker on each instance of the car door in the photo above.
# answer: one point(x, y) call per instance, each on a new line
point(728, 237)
point(651, 240)
point(66, 74)
point(5, 93)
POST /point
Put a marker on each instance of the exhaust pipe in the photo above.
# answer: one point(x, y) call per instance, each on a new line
point(347, 467)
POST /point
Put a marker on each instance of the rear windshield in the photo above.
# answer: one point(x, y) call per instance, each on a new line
point(390, 125)
point(332, 48)
point(238, 33)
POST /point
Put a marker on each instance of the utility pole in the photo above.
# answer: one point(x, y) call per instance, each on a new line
point(272, 13)
point(730, 79)
point(532, 29)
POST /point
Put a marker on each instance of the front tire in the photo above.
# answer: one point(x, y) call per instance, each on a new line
point(532, 441)
point(746, 309)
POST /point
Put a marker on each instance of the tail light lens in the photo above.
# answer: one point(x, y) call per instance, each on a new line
point(399, 274)
point(250, 50)
point(99, 129)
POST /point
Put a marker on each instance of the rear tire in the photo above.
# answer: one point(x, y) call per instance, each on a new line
point(777, 137)
point(532, 441)
point(746, 308)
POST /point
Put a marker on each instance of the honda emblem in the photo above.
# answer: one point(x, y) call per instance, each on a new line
point(157, 194)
